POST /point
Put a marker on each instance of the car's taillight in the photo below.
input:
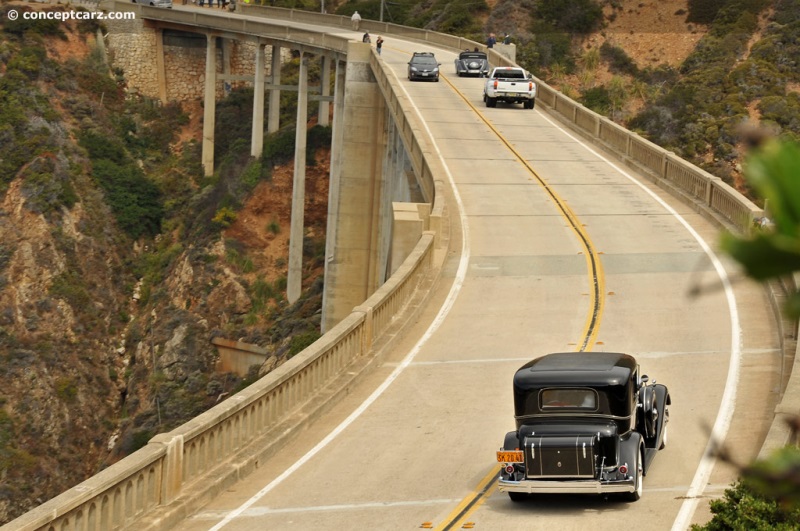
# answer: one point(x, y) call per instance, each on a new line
point(530, 85)
point(509, 469)
point(495, 83)
point(623, 469)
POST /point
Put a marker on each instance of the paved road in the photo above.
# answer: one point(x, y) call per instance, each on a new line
point(407, 452)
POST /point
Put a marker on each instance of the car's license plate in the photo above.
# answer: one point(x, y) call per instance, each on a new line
point(512, 456)
point(424, 73)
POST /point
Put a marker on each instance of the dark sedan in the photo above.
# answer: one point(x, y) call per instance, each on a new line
point(423, 65)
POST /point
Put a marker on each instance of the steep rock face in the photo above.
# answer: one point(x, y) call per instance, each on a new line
point(60, 304)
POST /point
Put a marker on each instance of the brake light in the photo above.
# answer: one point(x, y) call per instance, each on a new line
point(495, 83)
point(623, 469)
point(530, 85)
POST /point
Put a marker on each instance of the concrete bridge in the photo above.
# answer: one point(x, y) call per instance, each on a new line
point(541, 230)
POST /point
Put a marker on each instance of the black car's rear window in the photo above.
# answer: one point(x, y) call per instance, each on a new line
point(425, 61)
point(569, 399)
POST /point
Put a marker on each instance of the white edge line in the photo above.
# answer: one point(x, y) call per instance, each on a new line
point(728, 404)
point(445, 309)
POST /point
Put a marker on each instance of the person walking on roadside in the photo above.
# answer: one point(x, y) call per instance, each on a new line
point(355, 20)
point(491, 41)
point(366, 38)
point(378, 44)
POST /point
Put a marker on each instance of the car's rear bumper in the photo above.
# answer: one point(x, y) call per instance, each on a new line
point(574, 486)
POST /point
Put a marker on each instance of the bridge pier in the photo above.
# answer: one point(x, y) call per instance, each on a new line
point(273, 119)
point(257, 135)
point(352, 265)
point(209, 105)
point(161, 69)
point(295, 276)
point(323, 115)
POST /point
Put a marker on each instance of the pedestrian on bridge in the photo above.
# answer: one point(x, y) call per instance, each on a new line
point(355, 20)
point(379, 44)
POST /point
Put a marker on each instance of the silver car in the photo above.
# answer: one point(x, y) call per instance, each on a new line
point(154, 3)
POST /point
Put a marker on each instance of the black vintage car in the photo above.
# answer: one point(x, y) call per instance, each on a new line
point(472, 64)
point(586, 423)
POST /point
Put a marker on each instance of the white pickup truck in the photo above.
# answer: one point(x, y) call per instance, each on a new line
point(511, 85)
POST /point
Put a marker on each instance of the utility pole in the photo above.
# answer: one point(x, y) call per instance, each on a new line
point(322, 7)
point(381, 17)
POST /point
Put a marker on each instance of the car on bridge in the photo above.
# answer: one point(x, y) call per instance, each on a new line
point(423, 65)
point(154, 3)
point(585, 423)
point(472, 64)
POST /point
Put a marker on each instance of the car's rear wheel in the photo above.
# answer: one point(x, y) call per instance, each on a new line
point(529, 104)
point(518, 496)
point(491, 102)
point(638, 487)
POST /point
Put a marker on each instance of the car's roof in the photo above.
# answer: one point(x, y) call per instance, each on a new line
point(576, 368)
point(472, 55)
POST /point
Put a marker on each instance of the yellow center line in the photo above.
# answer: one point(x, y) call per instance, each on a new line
point(589, 334)
point(469, 504)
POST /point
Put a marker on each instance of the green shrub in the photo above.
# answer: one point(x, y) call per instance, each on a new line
point(134, 200)
point(597, 99)
point(261, 292)
point(70, 287)
point(137, 440)
point(66, 389)
point(743, 508)
point(573, 16)
point(46, 186)
point(782, 110)
point(102, 146)
point(225, 217)
point(300, 342)
point(279, 147)
point(548, 47)
point(31, 28)
point(6, 439)
point(704, 11)
point(618, 61)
